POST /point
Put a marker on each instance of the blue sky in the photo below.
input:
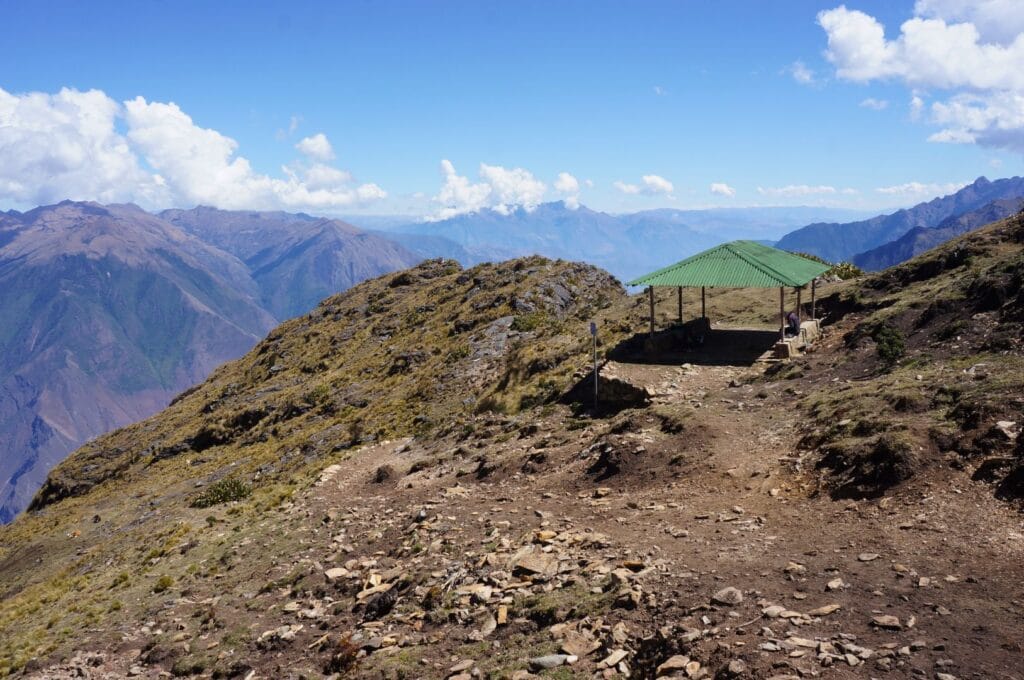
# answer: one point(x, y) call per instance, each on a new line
point(741, 96)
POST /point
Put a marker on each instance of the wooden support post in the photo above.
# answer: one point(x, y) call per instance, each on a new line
point(813, 317)
point(799, 312)
point(782, 313)
point(679, 293)
point(650, 296)
point(703, 308)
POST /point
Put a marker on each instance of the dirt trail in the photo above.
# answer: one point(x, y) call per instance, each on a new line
point(699, 492)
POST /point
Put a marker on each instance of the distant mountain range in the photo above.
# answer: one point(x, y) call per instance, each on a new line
point(921, 239)
point(109, 311)
point(841, 242)
point(626, 245)
point(295, 260)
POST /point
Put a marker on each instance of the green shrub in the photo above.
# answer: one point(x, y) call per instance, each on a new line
point(844, 270)
point(890, 344)
point(162, 584)
point(529, 322)
point(224, 491)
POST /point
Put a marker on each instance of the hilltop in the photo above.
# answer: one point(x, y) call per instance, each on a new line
point(408, 482)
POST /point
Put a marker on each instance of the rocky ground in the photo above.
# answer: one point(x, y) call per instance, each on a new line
point(683, 539)
point(409, 482)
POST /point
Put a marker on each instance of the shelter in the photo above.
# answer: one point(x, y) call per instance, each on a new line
point(737, 264)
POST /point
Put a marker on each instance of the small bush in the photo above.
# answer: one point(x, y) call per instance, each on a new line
point(890, 344)
point(224, 491)
point(844, 270)
point(162, 584)
point(529, 322)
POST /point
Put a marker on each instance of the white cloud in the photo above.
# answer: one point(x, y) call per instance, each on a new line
point(569, 186)
point(999, 21)
point(793, 190)
point(916, 107)
point(501, 190)
point(656, 184)
point(69, 145)
point(722, 189)
point(971, 51)
point(513, 187)
point(801, 73)
point(317, 147)
point(874, 104)
point(458, 195)
point(65, 145)
point(995, 119)
point(651, 185)
point(919, 189)
point(660, 91)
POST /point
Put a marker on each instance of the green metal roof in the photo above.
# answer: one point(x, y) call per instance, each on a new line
point(737, 264)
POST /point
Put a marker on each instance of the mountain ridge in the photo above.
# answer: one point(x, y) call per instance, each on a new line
point(840, 242)
point(110, 311)
point(412, 472)
point(921, 239)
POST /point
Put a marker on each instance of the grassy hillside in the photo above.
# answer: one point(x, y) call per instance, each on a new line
point(929, 365)
point(391, 486)
point(419, 352)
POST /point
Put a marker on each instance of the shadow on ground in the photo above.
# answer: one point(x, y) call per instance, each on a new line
point(691, 343)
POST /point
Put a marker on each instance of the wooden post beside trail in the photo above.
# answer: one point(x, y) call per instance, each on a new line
point(679, 292)
point(813, 317)
point(650, 296)
point(782, 312)
point(703, 312)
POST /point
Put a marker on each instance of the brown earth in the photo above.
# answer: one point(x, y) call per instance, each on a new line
point(705, 491)
point(432, 497)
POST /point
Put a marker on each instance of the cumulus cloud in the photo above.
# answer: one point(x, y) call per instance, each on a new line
point(65, 145)
point(568, 186)
point(512, 187)
point(458, 195)
point(71, 145)
point(656, 184)
point(317, 147)
point(999, 21)
point(722, 189)
point(501, 190)
point(919, 189)
point(970, 51)
point(801, 73)
point(650, 185)
point(874, 104)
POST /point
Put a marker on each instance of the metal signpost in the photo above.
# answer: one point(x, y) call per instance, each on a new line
point(593, 335)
